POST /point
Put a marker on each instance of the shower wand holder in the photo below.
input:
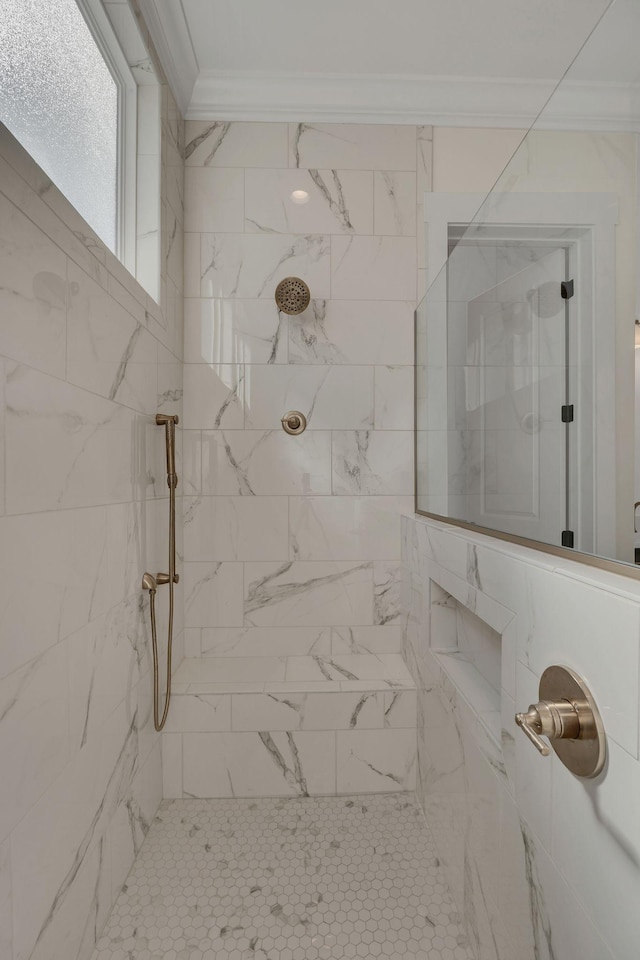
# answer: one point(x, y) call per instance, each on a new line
point(151, 583)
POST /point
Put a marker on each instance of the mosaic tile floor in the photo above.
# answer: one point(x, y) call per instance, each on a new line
point(286, 879)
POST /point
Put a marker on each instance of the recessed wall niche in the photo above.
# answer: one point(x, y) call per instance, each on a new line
point(470, 652)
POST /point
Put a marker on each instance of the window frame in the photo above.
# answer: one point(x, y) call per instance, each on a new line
point(111, 51)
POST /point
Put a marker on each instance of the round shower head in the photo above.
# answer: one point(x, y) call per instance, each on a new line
point(292, 295)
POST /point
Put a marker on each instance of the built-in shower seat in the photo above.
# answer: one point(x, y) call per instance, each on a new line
point(290, 726)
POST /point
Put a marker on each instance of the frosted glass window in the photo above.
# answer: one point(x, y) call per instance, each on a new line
point(58, 97)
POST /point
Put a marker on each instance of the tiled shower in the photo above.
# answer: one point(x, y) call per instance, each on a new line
point(322, 703)
point(292, 543)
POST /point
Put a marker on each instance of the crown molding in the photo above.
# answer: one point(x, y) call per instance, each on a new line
point(169, 31)
point(443, 101)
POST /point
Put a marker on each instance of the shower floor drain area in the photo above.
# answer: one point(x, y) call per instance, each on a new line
point(286, 879)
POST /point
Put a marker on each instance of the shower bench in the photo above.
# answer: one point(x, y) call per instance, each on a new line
point(290, 726)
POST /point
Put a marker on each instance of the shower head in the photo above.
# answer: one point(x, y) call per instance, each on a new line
point(292, 296)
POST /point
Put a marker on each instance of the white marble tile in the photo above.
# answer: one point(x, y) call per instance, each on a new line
point(192, 254)
point(33, 293)
point(282, 687)
point(424, 144)
point(259, 764)
point(353, 331)
point(214, 199)
point(556, 911)
point(341, 528)
point(170, 384)
point(34, 736)
point(64, 447)
point(533, 775)
point(394, 401)
point(352, 146)
point(336, 201)
point(2, 437)
point(53, 578)
point(199, 713)
point(265, 641)
point(235, 528)
point(86, 899)
point(226, 688)
point(604, 811)
point(108, 351)
point(212, 594)
point(387, 577)
point(133, 818)
point(372, 268)
point(566, 624)
point(173, 247)
point(59, 875)
point(349, 667)
point(234, 331)
point(171, 765)
point(330, 397)
point(376, 761)
point(520, 893)
point(266, 462)
point(231, 670)
point(395, 203)
point(264, 711)
point(251, 265)
point(6, 935)
point(400, 708)
point(225, 144)
point(308, 711)
point(308, 594)
point(372, 462)
point(107, 657)
point(191, 478)
point(352, 640)
point(213, 396)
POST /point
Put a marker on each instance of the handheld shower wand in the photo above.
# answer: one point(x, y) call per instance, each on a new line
point(151, 583)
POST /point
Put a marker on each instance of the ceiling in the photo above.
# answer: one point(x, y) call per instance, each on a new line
point(493, 38)
point(494, 61)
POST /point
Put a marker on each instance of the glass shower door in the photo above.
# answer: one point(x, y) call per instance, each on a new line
point(510, 413)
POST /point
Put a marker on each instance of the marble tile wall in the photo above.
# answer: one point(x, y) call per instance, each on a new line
point(86, 360)
point(541, 864)
point(284, 534)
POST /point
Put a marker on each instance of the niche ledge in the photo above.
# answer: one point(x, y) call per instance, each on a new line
point(469, 652)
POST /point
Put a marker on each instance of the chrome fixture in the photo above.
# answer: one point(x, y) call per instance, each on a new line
point(568, 716)
point(292, 296)
point(294, 422)
point(151, 583)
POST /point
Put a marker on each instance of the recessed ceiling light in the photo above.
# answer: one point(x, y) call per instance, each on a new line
point(300, 196)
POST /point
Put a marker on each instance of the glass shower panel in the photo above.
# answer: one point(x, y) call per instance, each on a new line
point(495, 362)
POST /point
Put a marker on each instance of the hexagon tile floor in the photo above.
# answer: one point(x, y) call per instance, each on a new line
point(286, 879)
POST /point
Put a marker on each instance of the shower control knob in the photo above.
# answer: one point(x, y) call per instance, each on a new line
point(294, 422)
point(567, 715)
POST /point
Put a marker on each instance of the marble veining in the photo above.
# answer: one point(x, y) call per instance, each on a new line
point(266, 591)
point(327, 877)
point(215, 134)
